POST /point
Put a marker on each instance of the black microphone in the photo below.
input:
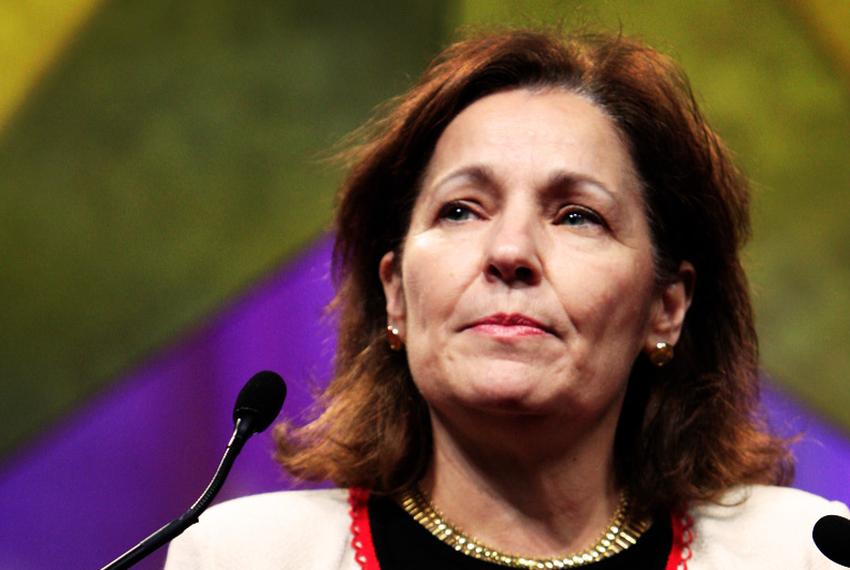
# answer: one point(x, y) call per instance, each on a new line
point(257, 405)
point(832, 537)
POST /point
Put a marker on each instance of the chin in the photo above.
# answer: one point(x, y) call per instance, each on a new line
point(509, 395)
point(492, 385)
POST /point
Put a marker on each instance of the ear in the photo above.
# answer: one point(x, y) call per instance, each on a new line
point(393, 292)
point(670, 307)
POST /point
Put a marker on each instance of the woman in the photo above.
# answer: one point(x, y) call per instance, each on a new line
point(546, 355)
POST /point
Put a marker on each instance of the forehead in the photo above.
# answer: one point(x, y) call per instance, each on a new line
point(543, 131)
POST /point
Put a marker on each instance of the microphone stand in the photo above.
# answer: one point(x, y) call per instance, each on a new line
point(241, 432)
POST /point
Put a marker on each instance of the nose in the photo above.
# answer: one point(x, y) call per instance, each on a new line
point(513, 255)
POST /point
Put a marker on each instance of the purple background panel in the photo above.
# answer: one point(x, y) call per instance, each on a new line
point(822, 451)
point(140, 454)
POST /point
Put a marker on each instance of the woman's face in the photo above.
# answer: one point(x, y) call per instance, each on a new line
point(526, 284)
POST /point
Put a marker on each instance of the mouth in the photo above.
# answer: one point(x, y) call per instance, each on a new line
point(509, 325)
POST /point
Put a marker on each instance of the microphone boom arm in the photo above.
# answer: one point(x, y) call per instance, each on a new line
point(241, 432)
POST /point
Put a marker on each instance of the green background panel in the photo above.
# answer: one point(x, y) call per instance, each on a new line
point(170, 158)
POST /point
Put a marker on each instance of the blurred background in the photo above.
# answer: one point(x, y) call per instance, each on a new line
point(165, 192)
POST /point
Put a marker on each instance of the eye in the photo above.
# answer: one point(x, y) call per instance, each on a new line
point(457, 212)
point(576, 216)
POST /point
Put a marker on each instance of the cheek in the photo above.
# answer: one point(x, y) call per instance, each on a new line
point(435, 276)
point(614, 297)
point(418, 283)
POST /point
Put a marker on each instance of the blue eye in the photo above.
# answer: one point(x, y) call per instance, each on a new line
point(456, 212)
point(579, 217)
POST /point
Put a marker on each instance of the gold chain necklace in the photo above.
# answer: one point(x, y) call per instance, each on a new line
point(620, 535)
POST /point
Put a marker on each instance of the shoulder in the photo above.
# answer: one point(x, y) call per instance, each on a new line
point(760, 527)
point(290, 529)
point(278, 508)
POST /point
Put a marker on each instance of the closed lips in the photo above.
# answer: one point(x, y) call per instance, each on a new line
point(511, 320)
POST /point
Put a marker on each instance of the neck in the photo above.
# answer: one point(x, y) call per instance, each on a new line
point(526, 485)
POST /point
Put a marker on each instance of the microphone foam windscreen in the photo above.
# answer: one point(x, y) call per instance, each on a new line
point(261, 397)
point(832, 537)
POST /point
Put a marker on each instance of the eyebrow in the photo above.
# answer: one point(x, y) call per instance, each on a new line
point(563, 179)
point(478, 173)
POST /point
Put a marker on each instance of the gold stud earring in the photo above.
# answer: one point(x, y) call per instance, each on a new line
point(394, 338)
point(662, 354)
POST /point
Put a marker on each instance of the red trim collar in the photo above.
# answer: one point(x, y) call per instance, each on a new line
point(361, 530)
point(683, 537)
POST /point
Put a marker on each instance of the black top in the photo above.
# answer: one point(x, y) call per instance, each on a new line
point(403, 544)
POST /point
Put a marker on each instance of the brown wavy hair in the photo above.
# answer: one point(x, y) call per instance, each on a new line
point(688, 431)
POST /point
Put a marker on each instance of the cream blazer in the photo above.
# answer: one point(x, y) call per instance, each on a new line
point(756, 527)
